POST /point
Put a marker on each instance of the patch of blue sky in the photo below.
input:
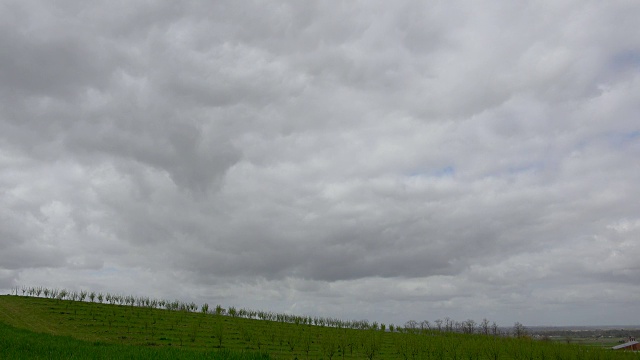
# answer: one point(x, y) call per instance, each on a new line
point(525, 168)
point(626, 59)
point(623, 139)
point(446, 171)
point(619, 140)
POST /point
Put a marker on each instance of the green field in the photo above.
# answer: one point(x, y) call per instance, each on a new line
point(24, 344)
point(49, 328)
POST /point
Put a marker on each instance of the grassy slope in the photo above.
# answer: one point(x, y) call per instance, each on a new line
point(113, 324)
point(167, 330)
point(156, 327)
point(24, 344)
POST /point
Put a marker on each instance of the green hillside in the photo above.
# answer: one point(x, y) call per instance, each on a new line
point(24, 344)
point(150, 332)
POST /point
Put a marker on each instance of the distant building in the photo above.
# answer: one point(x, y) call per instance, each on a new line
point(631, 345)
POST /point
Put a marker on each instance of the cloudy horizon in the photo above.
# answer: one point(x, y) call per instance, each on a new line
point(362, 160)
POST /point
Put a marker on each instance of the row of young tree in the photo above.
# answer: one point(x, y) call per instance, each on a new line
point(446, 325)
point(485, 327)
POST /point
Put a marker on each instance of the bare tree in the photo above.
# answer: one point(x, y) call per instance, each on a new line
point(495, 330)
point(448, 324)
point(425, 325)
point(469, 326)
point(438, 324)
point(519, 330)
point(411, 325)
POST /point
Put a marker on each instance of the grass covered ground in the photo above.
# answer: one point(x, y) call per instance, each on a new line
point(35, 327)
point(24, 344)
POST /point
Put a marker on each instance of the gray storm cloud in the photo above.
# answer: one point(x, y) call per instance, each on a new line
point(382, 161)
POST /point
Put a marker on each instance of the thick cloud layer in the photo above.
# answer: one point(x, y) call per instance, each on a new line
point(356, 160)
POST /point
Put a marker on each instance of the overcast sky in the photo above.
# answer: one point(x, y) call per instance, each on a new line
point(380, 160)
